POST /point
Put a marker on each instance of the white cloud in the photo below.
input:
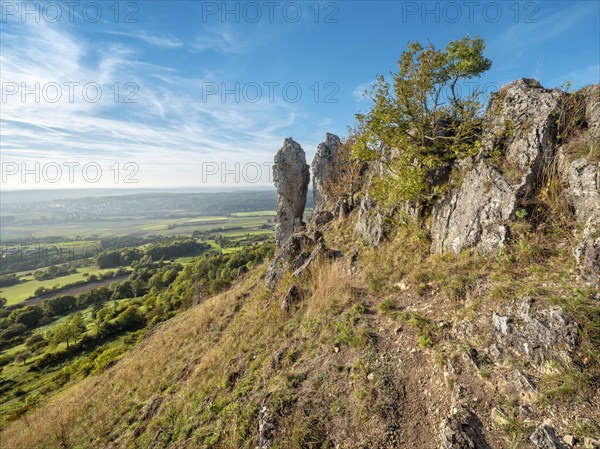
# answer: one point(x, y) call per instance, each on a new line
point(170, 126)
point(221, 40)
point(360, 92)
point(159, 41)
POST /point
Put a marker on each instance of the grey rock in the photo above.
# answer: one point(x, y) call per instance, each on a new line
point(587, 252)
point(591, 95)
point(291, 297)
point(322, 165)
point(541, 336)
point(320, 251)
point(544, 437)
point(371, 220)
point(518, 386)
point(266, 426)
point(291, 177)
point(463, 430)
point(581, 179)
point(477, 215)
point(322, 217)
point(292, 255)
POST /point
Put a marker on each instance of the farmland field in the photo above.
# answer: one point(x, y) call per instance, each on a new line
point(20, 292)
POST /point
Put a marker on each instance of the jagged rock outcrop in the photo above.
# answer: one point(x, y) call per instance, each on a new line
point(291, 177)
point(587, 252)
point(292, 255)
point(518, 142)
point(541, 336)
point(370, 223)
point(462, 430)
point(322, 165)
point(297, 254)
point(579, 168)
point(545, 438)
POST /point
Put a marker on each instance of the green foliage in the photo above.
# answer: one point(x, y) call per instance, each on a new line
point(54, 271)
point(69, 331)
point(387, 307)
point(9, 279)
point(424, 328)
point(420, 122)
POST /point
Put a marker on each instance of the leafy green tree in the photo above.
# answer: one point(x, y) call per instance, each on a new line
point(69, 331)
point(59, 305)
point(22, 356)
point(420, 120)
point(28, 316)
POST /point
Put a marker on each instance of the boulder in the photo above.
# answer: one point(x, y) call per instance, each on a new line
point(517, 144)
point(291, 177)
point(544, 438)
point(540, 336)
point(463, 430)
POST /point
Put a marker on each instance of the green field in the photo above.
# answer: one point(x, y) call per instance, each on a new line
point(20, 292)
point(142, 227)
point(238, 228)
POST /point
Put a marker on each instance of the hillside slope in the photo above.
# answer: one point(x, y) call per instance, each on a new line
point(424, 337)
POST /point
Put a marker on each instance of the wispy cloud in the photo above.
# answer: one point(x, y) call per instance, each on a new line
point(158, 41)
point(221, 40)
point(360, 92)
point(170, 125)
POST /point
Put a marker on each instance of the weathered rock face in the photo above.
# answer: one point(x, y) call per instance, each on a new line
point(518, 142)
point(371, 219)
point(541, 336)
point(370, 224)
point(463, 430)
point(291, 177)
point(298, 253)
point(321, 169)
point(545, 438)
point(587, 252)
point(581, 181)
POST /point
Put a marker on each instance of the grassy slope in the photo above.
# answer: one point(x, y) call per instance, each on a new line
point(359, 362)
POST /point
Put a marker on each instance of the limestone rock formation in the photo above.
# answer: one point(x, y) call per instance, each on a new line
point(518, 141)
point(291, 177)
point(541, 336)
point(298, 253)
point(463, 430)
point(370, 223)
point(321, 168)
point(580, 173)
point(545, 438)
point(587, 252)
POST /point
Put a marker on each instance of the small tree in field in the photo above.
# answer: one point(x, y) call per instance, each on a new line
point(69, 331)
point(420, 120)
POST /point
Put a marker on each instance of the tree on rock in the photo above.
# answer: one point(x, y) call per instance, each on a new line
point(422, 119)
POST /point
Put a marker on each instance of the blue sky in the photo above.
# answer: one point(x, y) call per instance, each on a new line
point(191, 88)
